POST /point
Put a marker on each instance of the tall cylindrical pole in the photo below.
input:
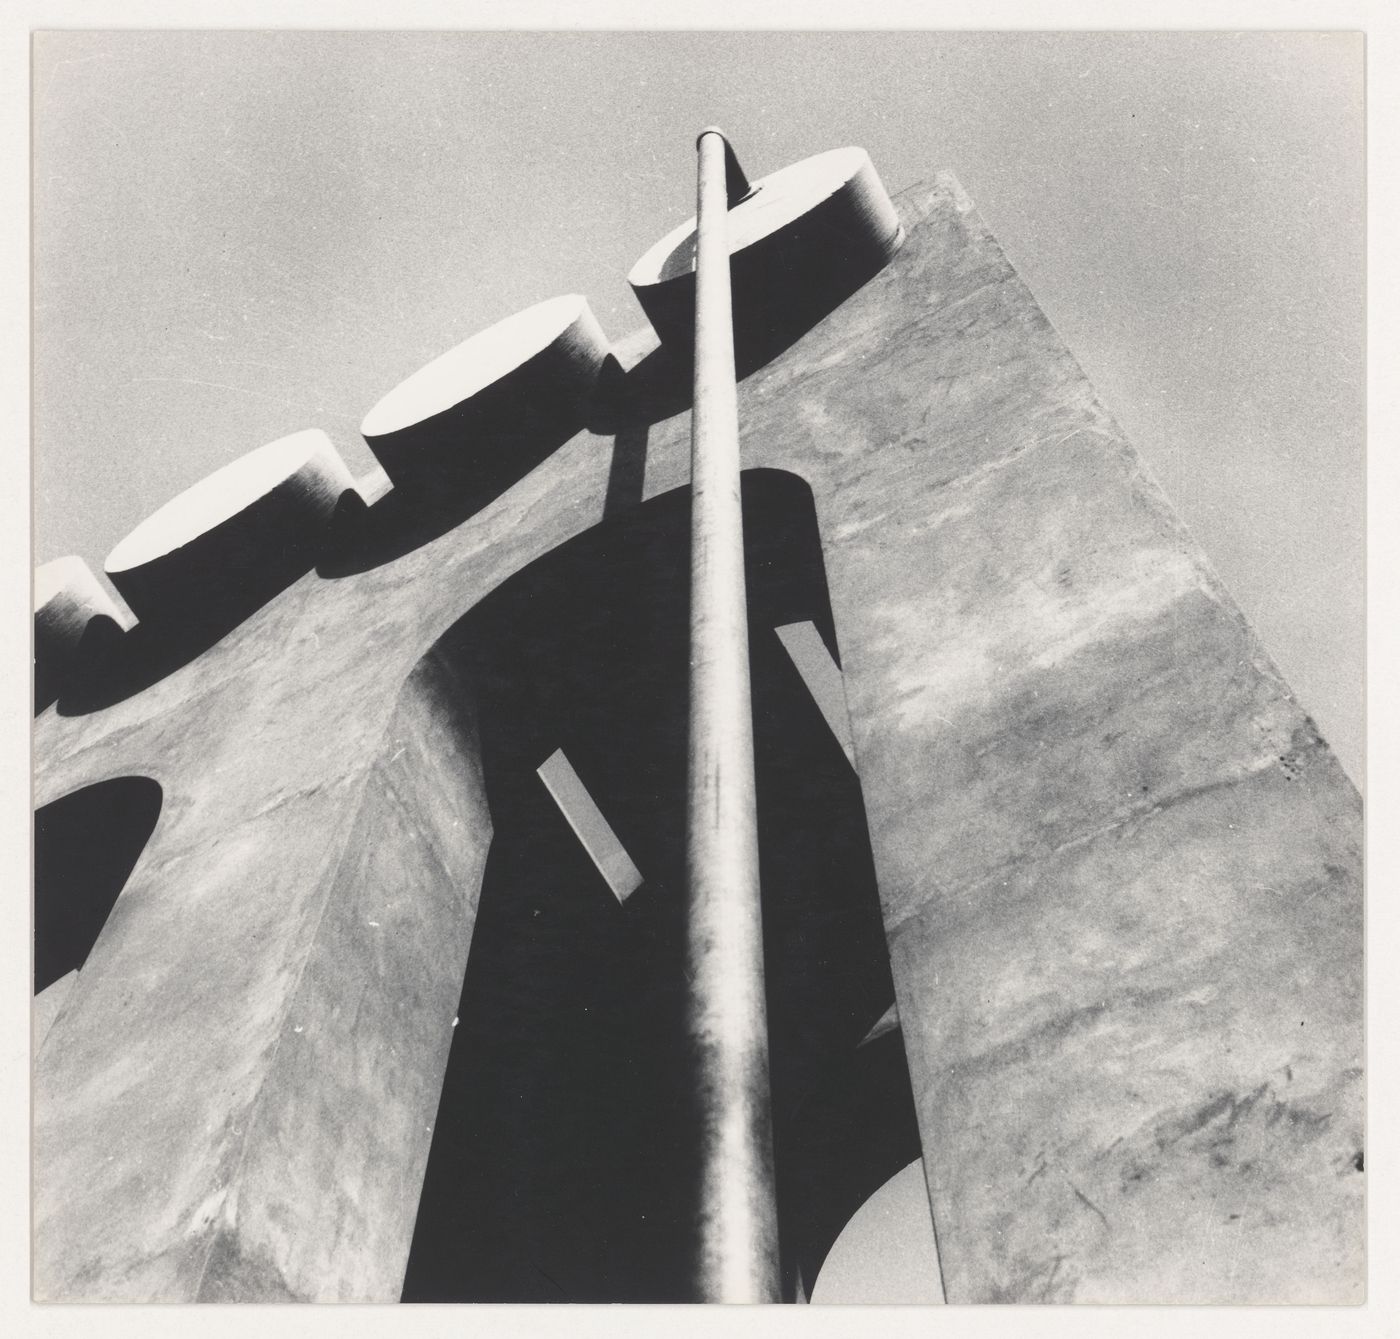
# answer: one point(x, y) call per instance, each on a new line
point(738, 1233)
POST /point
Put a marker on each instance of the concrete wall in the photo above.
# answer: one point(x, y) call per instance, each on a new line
point(335, 1148)
point(1119, 871)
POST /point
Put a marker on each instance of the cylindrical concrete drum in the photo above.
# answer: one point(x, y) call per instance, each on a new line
point(801, 242)
point(486, 412)
point(228, 544)
point(67, 597)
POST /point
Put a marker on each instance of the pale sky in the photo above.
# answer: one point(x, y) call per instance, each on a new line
point(238, 235)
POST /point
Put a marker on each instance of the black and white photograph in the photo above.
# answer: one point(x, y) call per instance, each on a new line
point(697, 665)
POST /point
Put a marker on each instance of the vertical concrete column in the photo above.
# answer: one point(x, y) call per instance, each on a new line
point(737, 1257)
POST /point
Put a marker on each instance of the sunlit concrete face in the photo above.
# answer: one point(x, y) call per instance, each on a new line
point(822, 675)
point(887, 1254)
point(589, 824)
point(475, 364)
point(63, 584)
point(1118, 869)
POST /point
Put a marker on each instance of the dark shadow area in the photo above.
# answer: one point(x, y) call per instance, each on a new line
point(55, 671)
point(563, 1165)
point(456, 463)
point(627, 473)
point(783, 285)
point(658, 386)
point(85, 847)
point(404, 519)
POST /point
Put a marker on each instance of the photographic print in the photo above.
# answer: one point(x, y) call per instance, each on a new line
point(712, 666)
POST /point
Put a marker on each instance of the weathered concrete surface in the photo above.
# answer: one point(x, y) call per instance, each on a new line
point(47, 1004)
point(1144, 1085)
point(336, 1147)
point(1058, 717)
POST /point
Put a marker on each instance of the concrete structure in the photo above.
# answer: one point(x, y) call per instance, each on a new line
point(69, 604)
point(1118, 872)
point(229, 543)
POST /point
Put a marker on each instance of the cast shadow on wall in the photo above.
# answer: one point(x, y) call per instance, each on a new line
point(562, 1164)
point(113, 665)
point(502, 437)
point(85, 846)
point(502, 441)
point(477, 451)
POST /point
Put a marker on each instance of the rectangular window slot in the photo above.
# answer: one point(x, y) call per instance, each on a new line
point(589, 825)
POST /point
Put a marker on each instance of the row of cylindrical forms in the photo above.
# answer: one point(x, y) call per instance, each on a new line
point(219, 550)
point(476, 419)
point(230, 542)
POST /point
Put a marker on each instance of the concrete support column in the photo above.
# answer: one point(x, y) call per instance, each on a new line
point(737, 1250)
